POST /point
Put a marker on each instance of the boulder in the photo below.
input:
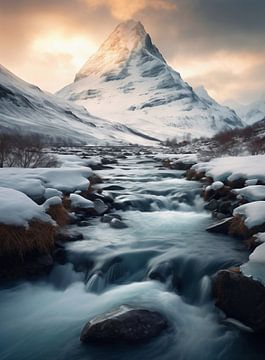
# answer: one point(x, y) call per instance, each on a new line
point(124, 325)
point(241, 298)
point(221, 227)
point(68, 235)
point(100, 207)
point(108, 217)
point(117, 224)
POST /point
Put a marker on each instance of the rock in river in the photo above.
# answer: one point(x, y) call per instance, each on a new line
point(117, 224)
point(124, 325)
point(241, 298)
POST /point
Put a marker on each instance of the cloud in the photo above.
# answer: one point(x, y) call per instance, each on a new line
point(126, 9)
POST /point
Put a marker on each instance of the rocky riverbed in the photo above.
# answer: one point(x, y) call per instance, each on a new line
point(146, 265)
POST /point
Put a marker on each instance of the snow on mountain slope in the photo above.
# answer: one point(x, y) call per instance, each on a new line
point(129, 81)
point(25, 108)
point(253, 112)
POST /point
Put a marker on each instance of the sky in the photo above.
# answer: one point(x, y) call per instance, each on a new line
point(216, 43)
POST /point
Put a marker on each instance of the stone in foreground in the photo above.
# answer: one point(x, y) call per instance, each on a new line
point(241, 298)
point(124, 325)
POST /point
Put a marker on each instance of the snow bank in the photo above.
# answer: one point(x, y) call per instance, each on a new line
point(233, 168)
point(36, 182)
point(18, 209)
point(253, 213)
point(251, 193)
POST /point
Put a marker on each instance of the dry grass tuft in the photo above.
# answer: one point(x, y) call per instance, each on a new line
point(238, 227)
point(59, 214)
point(19, 241)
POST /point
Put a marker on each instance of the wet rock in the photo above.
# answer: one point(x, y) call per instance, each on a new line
point(113, 187)
point(180, 165)
point(107, 161)
point(211, 205)
point(100, 207)
point(237, 184)
point(164, 272)
point(108, 217)
point(221, 227)
point(68, 235)
point(240, 297)
point(161, 272)
point(117, 224)
point(83, 223)
point(124, 325)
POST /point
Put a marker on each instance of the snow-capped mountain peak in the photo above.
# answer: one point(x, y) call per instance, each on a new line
point(129, 81)
point(128, 40)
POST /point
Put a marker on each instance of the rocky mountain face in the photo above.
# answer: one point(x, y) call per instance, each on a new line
point(128, 80)
point(26, 108)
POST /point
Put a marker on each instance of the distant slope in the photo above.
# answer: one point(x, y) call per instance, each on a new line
point(128, 80)
point(26, 108)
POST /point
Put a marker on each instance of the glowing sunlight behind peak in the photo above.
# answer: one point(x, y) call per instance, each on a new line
point(79, 48)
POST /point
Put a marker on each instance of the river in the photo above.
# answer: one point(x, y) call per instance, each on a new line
point(163, 261)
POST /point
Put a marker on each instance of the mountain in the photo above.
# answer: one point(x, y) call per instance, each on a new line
point(128, 80)
point(25, 108)
point(251, 113)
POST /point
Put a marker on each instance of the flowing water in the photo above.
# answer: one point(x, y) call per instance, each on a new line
point(163, 261)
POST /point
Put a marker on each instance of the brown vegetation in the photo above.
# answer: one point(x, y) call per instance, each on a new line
point(17, 242)
point(59, 214)
point(238, 227)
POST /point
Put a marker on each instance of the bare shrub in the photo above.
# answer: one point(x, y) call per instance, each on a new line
point(24, 151)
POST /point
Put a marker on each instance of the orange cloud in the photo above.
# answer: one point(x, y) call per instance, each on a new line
point(125, 9)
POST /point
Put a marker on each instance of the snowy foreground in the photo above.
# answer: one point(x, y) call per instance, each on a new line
point(251, 171)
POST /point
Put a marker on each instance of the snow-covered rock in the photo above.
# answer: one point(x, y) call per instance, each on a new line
point(128, 80)
point(253, 213)
point(37, 182)
point(217, 185)
point(234, 167)
point(18, 209)
point(78, 201)
point(251, 193)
